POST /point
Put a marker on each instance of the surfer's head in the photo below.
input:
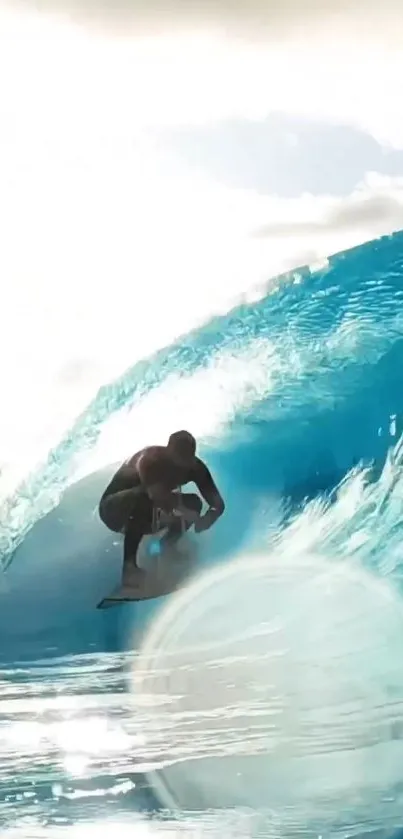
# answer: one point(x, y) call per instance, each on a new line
point(182, 447)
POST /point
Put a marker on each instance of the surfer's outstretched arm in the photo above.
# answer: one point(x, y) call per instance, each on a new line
point(208, 489)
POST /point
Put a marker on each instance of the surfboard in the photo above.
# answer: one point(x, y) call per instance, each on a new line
point(158, 576)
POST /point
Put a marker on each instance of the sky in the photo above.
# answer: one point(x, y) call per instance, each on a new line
point(158, 160)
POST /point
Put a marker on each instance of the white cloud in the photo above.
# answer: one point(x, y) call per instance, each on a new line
point(374, 209)
point(247, 19)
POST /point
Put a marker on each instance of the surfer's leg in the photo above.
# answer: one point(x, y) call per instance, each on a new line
point(116, 509)
point(140, 524)
point(133, 537)
point(179, 526)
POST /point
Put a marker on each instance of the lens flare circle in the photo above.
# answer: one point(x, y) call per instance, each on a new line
point(275, 683)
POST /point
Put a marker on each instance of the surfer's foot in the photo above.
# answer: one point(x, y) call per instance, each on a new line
point(132, 575)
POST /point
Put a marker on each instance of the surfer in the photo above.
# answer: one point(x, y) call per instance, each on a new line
point(145, 496)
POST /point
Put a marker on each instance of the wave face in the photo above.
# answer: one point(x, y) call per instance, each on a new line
point(297, 402)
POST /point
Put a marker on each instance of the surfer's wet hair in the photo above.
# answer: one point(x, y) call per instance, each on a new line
point(183, 442)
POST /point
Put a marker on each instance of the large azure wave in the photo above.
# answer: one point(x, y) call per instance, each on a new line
point(298, 404)
point(300, 354)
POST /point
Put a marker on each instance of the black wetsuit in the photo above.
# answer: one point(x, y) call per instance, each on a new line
point(126, 507)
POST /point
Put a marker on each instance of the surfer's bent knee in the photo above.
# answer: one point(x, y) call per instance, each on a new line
point(115, 511)
point(107, 514)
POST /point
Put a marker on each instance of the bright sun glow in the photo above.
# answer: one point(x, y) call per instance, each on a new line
point(110, 249)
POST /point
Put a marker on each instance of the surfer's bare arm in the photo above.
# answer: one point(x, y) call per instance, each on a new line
point(208, 489)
